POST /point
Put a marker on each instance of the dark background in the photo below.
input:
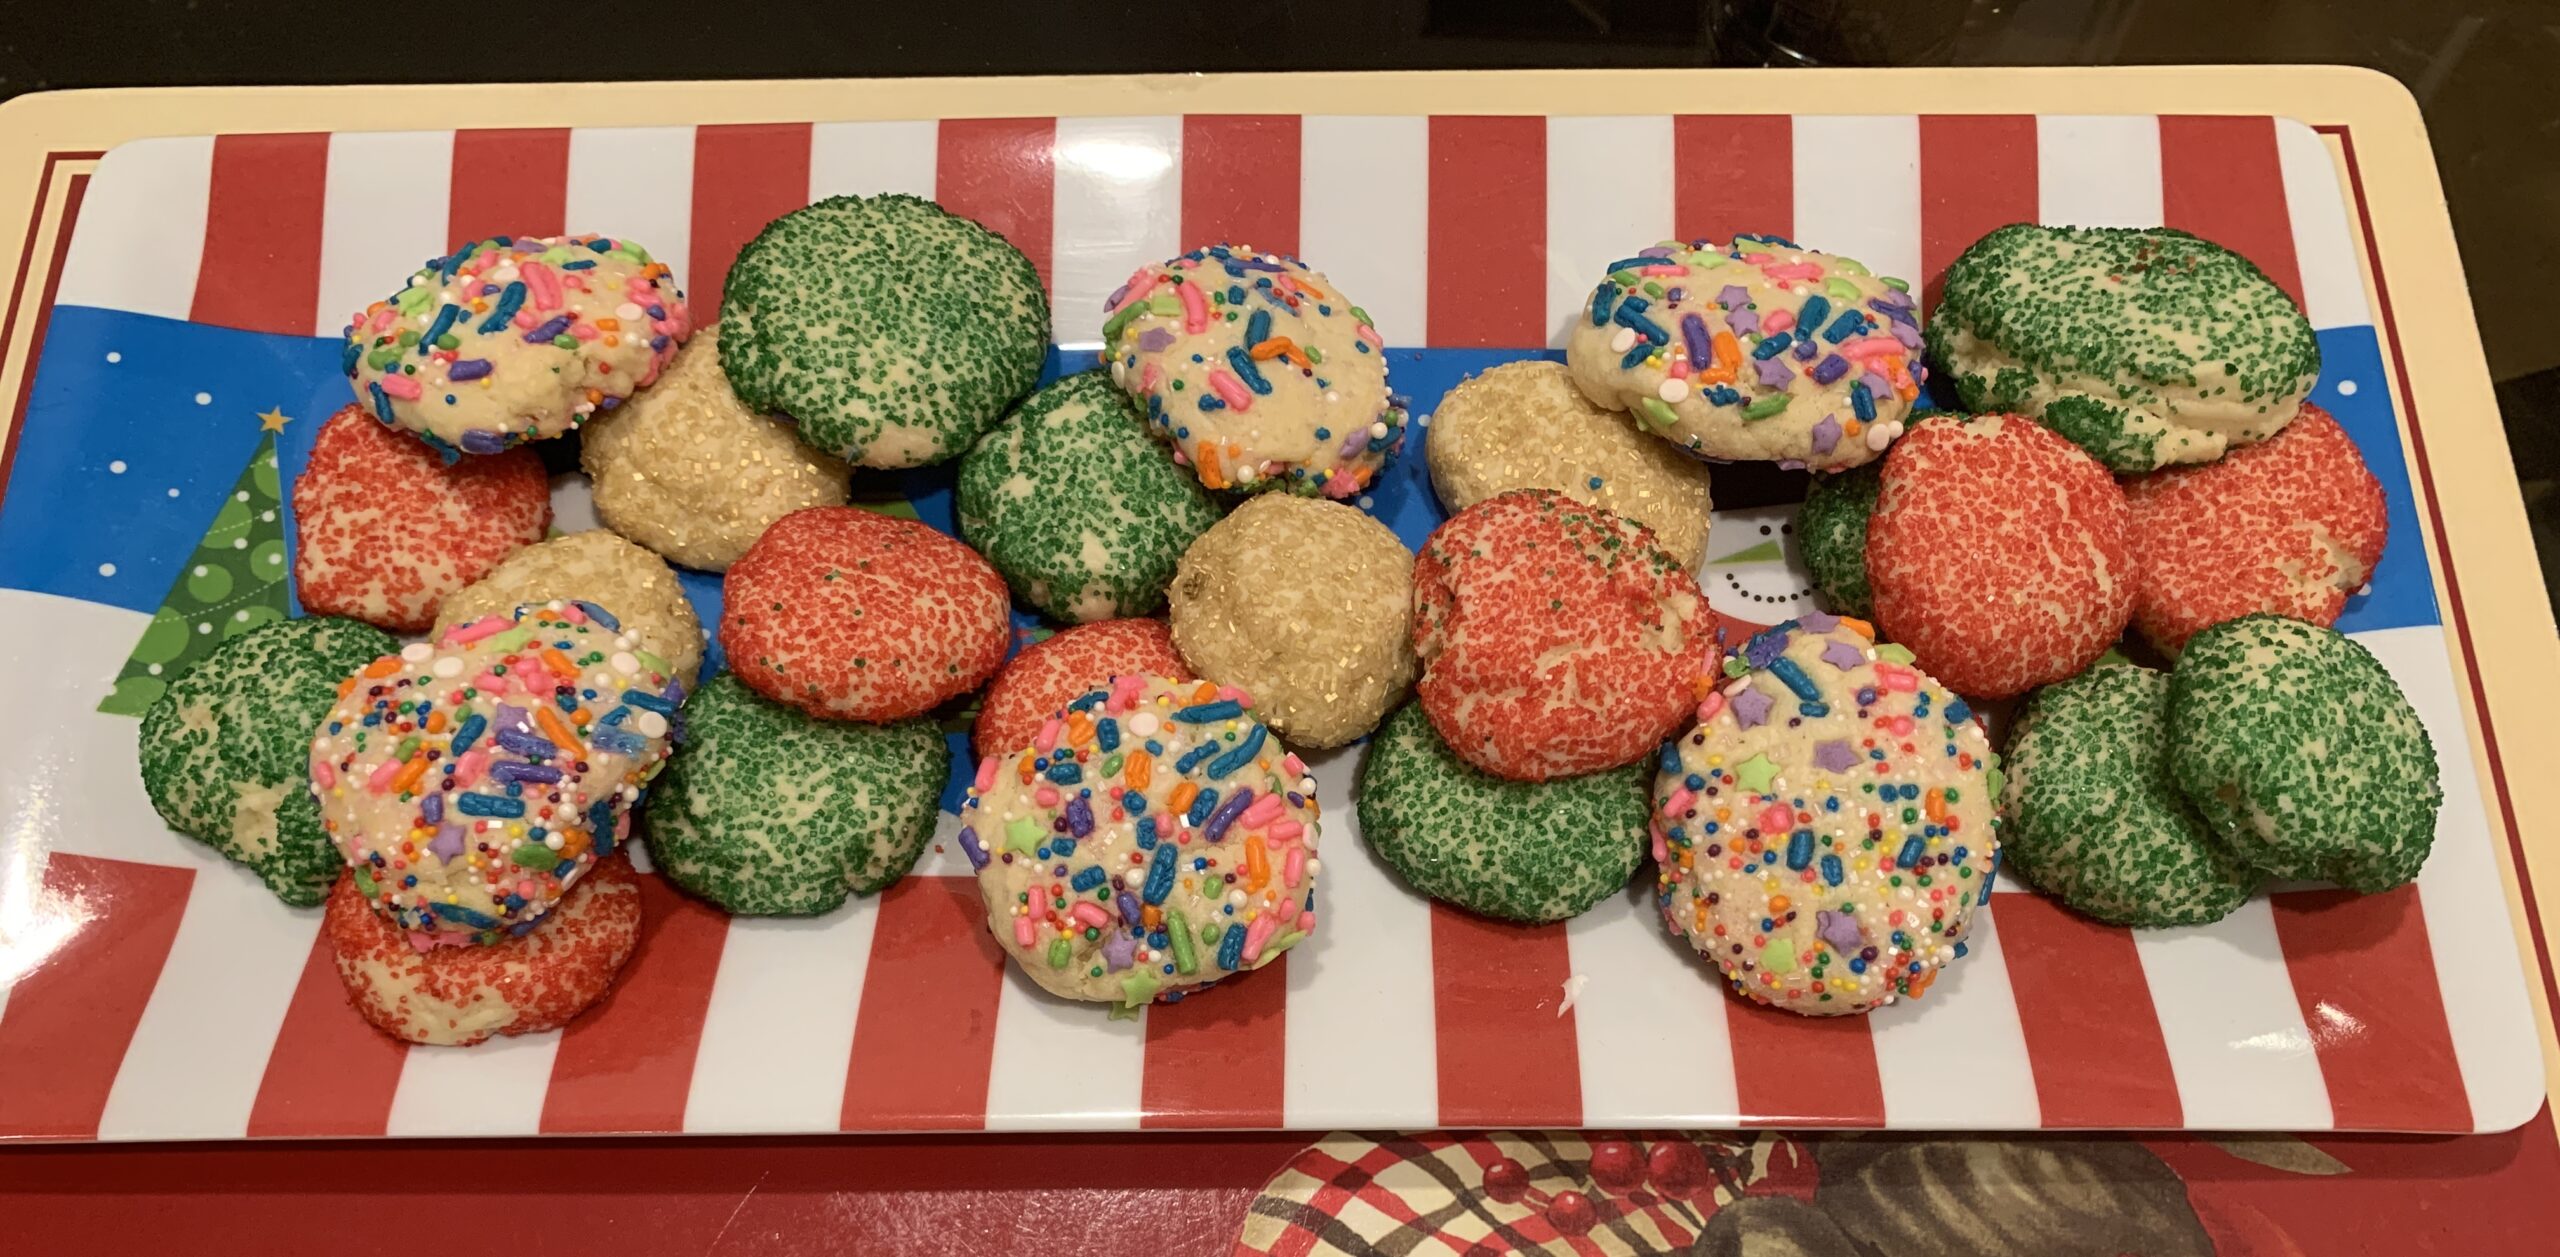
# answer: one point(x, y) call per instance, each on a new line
point(2486, 73)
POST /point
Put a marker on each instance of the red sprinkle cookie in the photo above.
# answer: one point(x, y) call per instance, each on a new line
point(2291, 525)
point(1050, 674)
point(459, 995)
point(1998, 553)
point(852, 615)
point(383, 528)
point(1556, 638)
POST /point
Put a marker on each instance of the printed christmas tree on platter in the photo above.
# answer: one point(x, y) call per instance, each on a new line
point(234, 582)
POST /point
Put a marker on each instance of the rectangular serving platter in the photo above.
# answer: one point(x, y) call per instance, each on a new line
point(150, 991)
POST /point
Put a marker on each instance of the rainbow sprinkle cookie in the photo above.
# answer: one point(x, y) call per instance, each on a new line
point(470, 783)
point(1826, 831)
point(2146, 346)
point(514, 339)
point(2094, 820)
point(1755, 350)
point(1152, 840)
point(2300, 749)
point(1261, 373)
point(891, 330)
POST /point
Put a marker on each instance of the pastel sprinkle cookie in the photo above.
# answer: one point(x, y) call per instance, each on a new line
point(523, 984)
point(225, 749)
point(1556, 639)
point(601, 569)
point(770, 812)
point(1153, 839)
point(1754, 350)
point(891, 330)
point(470, 782)
point(2146, 346)
point(688, 471)
point(2093, 818)
point(2292, 525)
point(1261, 373)
point(851, 615)
point(1514, 850)
point(1083, 514)
point(2302, 752)
point(1997, 589)
point(1827, 829)
point(1523, 425)
point(384, 529)
point(1831, 533)
point(1054, 671)
point(514, 339)
point(1308, 606)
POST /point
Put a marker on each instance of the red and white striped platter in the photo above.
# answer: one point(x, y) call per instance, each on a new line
point(148, 991)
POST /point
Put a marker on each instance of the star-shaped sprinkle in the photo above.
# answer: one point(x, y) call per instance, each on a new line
point(1835, 755)
point(1842, 655)
point(273, 420)
point(1756, 773)
point(1751, 707)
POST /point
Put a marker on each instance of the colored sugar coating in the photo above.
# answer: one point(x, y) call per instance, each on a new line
point(1259, 371)
point(1523, 425)
point(2302, 752)
point(851, 615)
point(1052, 672)
point(1307, 605)
point(225, 749)
point(1520, 851)
point(688, 471)
point(1757, 349)
point(1557, 639)
point(1083, 514)
point(601, 569)
point(514, 339)
point(384, 529)
point(470, 782)
point(1826, 831)
point(892, 331)
point(1997, 552)
point(524, 984)
point(2094, 820)
point(1155, 838)
point(2291, 525)
point(1831, 533)
point(770, 812)
point(2146, 346)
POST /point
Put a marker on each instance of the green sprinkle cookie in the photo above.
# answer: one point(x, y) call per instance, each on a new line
point(2094, 819)
point(771, 813)
point(2303, 753)
point(226, 750)
point(2146, 346)
point(1521, 851)
point(1831, 532)
point(1083, 513)
point(891, 330)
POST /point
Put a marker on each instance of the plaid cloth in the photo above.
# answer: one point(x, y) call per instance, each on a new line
point(1390, 1195)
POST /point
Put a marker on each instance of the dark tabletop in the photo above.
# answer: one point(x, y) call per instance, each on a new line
point(2480, 69)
